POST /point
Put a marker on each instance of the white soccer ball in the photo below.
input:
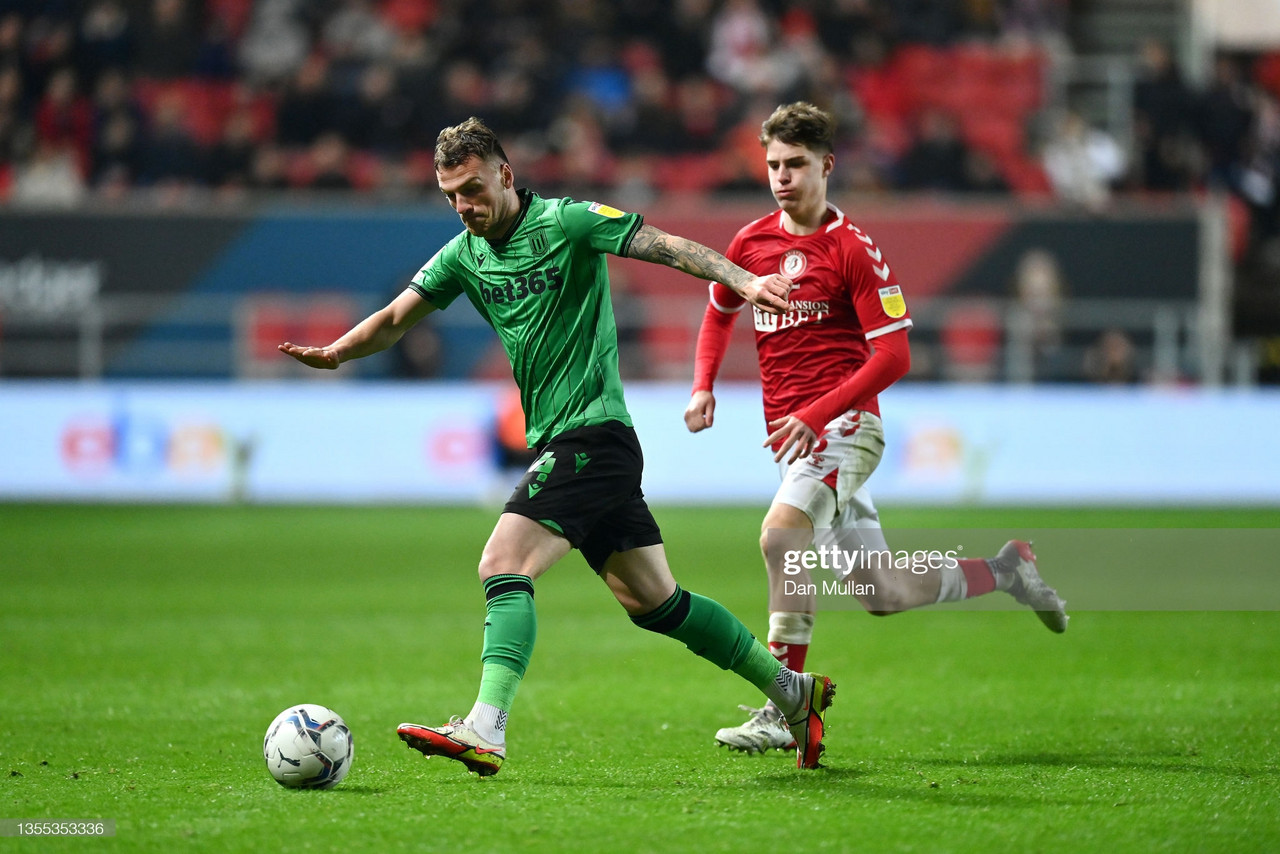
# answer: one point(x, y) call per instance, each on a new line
point(308, 747)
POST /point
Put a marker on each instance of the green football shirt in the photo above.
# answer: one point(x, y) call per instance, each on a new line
point(545, 290)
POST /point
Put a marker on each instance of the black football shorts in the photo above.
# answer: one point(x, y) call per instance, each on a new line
point(585, 483)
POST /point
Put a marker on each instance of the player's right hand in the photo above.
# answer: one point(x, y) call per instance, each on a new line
point(313, 357)
point(768, 293)
point(796, 438)
point(701, 411)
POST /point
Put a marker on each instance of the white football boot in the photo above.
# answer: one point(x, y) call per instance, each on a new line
point(1029, 588)
point(765, 729)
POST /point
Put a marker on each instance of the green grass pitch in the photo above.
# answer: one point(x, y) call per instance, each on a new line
point(145, 650)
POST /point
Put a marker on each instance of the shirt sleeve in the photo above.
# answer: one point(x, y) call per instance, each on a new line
point(713, 343)
point(888, 364)
point(438, 282)
point(874, 289)
point(723, 308)
point(601, 227)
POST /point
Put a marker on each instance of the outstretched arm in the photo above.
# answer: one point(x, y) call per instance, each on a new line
point(372, 335)
point(768, 293)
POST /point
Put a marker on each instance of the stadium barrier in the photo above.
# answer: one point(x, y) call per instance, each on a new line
point(277, 442)
point(997, 291)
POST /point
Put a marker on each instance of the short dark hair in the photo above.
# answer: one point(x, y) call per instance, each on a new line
point(470, 138)
point(800, 123)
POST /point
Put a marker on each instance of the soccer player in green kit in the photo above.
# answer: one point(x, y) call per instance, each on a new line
point(535, 269)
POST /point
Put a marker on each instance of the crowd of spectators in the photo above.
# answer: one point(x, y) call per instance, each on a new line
point(105, 96)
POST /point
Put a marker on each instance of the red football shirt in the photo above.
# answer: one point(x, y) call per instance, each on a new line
point(845, 294)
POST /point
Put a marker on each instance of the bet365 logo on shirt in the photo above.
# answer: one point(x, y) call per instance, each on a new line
point(522, 285)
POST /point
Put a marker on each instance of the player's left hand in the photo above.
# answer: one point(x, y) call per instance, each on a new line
point(795, 436)
point(768, 293)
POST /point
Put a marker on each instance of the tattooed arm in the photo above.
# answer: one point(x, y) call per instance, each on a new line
point(654, 245)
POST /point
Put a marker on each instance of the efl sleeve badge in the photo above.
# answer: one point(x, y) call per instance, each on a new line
point(604, 210)
point(892, 302)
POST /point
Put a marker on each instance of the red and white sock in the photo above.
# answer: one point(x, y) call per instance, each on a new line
point(789, 636)
point(971, 577)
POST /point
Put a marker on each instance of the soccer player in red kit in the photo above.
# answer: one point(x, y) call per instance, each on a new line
point(822, 365)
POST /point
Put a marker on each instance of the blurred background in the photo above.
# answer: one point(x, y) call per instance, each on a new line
point(1078, 196)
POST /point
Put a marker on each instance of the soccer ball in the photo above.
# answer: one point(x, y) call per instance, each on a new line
point(308, 747)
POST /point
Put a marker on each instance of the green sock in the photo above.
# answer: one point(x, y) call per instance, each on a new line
point(708, 629)
point(510, 629)
point(498, 686)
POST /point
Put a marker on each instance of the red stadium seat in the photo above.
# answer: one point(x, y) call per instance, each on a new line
point(364, 170)
point(689, 173)
point(882, 92)
point(235, 14)
point(999, 136)
point(268, 324)
point(209, 103)
point(920, 64)
point(976, 62)
point(409, 15)
point(263, 321)
point(205, 104)
point(299, 170)
point(971, 335)
point(1267, 72)
point(1026, 176)
point(327, 319)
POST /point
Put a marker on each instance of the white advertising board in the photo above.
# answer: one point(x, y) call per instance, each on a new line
point(430, 442)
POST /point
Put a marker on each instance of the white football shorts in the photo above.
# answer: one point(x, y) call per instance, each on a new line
point(830, 485)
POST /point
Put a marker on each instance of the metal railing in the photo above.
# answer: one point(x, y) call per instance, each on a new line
point(208, 336)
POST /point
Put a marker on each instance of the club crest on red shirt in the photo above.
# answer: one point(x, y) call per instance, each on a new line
point(793, 263)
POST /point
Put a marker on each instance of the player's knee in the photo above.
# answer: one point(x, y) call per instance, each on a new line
point(496, 563)
point(623, 593)
point(881, 596)
point(782, 536)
